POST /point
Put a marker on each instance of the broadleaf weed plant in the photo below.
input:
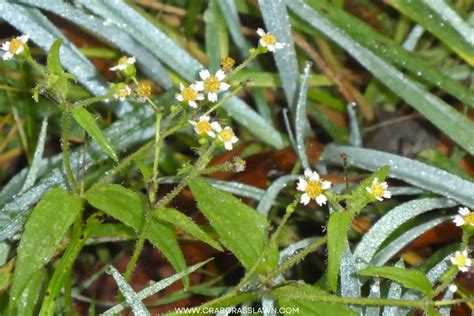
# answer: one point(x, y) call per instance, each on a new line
point(93, 206)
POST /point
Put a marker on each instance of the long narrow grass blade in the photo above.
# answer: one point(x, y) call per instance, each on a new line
point(438, 112)
point(37, 157)
point(269, 197)
point(301, 125)
point(130, 296)
point(411, 171)
point(355, 138)
point(350, 283)
point(156, 287)
point(277, 22)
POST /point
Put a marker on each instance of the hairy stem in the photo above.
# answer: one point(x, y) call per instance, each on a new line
point(65, 149)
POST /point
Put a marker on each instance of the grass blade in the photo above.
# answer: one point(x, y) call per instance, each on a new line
point(270, 195)
point(438, 112)
point(130, 296)
point(411, 171)
point(301, 125)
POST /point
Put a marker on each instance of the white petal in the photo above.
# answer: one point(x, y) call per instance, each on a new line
point(234, 139)
point(458, 220)
point(321, 199)
point(279, 45)
point(20, 50)
point(204, 74)
point(305, 199)
point(325, 185)
point(262, 43)
point(220, 74)
point(224, 86)
point(301, 186)
point(199, 85)
point(24, 38)
point(204, 118)
point(464, 253)
point(379, 198)
point(314, 176)
point(463, 211)
point(376, 180)
point(368, 189)
point(260, 31)
point(468, 262)
point(192, 123)
point(308, 173)
point(199, 96)
point(271, 48)
point(453, 261)
point(211, 134)
point(228, 145)
point(384, 185)
point(216, 126)
point(7, 56)
point(114, 68)
point(131, 60)
point(211, 96)
point(178, 97)
point(181, 86)
point(6, 46)
point(463, 269)
point(387, 194)
point(192, 104)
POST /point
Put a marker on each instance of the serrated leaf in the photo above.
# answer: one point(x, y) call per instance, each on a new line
point(409, 278)
point(304, 299)
point(241, 229)
point(138, 308)
point(183, 222)
point(53, 63)
point(129, 207)
point(87, 121)
point(438, 112)
point(337, 243)
point(47, 225)
point(411, 171)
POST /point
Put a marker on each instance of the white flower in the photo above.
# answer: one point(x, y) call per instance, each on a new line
point(189, 94)
point(461, 260)
point(379, 190)
point(203, 126)
point(465, 217)
point(453, 288)
point(123, 63)
point(14, 47)
point(212, 84)
point(122, 93)
point(226, 136)
point(269, 41)
point(313, 187)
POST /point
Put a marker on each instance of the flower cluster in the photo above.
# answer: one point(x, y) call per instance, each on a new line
point(204, 127)
point(16, 47)
point(313, 187)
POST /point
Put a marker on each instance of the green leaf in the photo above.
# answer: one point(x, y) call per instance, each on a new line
point(241, 228)
point(304, 299)
point(53, 62)
point(438, 112)
point(32, 293)
point(180, 220)
point(359, 197)
point(302, 127)
point(129, 207)
point(88, 123)
point(435, 24)
point(337, 243)
point(409, 278)
point(138, 308)
point(44, 230)
point(411, 171)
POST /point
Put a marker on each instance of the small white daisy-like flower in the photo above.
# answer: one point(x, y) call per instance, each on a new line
point(461, 260)
point(465, 217)
point(189, 94)
point(122, 93)
point(226, 136)
point(212, 84)
point(313, 187)
point(14, 47)
point(453, 288)
point(379, 190)
point(123, 63)
point(269, 41)
point(203, 126)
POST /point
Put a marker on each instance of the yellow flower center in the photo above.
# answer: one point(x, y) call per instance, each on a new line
point(123, 93)
point(227, 64)
point(123, 60)
point(189, 94)
point(377, 190)
point(460, 260)
point(144, 89)
point(269, 39)
point(226, 135)
point(211, 84)
point(469, 218)
point(203, 127)
point(313, 188)
point(15, 44)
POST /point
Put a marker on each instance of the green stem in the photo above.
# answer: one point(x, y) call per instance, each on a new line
point(226, 98)
point(289, 210)
point(244, 64)
point(65, 149)
point(156, 160)
point(36, 65)
point(90, 101)
point(295, 259)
